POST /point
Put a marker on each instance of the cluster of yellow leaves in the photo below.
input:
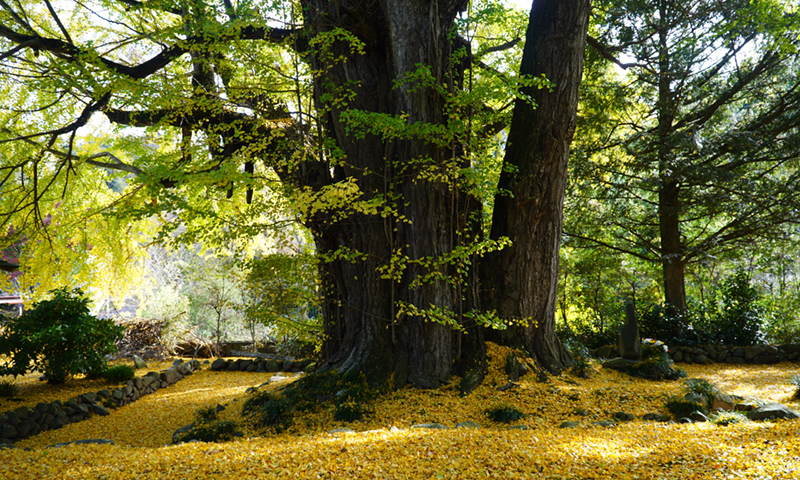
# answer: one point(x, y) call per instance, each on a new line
point(384, 445)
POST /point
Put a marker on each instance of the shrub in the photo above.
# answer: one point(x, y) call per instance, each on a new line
point(59, 338)
point(737, 318)
point(350, 394)
point(208, 414)
point(703, 387)
point(119, 373)
point(667, 324)
point(8, 389)
point(504, 413)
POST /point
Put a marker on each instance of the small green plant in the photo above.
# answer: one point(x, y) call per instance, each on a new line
point(8, 389)
point(119, 373)
point(795, 380)
point(216, 431)
point(504, 413)
point(59, 338)
point(207, 414)
point(656, 368)
point(726, 418)
point(209, 428)
point(268, 410)
point(581, 367)
point(682, 407)
point(349, 411)
point(703, 387)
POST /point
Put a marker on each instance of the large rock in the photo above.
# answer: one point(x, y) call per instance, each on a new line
point(771, 411)
point(606, 351)
point(630, 344)
point(138, 362)
point(219, 364)
point(722, 402)
point(177, 434)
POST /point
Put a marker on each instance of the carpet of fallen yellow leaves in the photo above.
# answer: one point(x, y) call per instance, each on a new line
point(384, 445)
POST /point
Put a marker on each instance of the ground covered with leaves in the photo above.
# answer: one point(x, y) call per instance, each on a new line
point(384, 444)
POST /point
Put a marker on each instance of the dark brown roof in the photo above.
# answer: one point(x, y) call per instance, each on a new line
point(8, 266)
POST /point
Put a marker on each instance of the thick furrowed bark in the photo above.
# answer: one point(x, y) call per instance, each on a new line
point(521, 280)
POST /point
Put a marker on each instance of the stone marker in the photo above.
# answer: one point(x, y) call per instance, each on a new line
point(630, 345)
point(138, 362)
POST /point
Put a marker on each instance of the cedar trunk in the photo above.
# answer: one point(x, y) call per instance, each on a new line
point(672, 257)
point(520, 281)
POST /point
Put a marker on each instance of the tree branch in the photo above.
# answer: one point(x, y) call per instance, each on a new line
point(82, 119)
point(151, 66)
point(605, 53)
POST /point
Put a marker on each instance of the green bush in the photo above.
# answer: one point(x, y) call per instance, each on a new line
point(667, 324)
point(207, 428)
point(8, 389)
point(738, 317)
point(59, 338)
point(681, 407)
point(703, 387)
point(207, 414)
point(504, 413)
point(119, 373)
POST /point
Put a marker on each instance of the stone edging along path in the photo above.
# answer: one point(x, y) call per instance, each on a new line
point(25, 421)
point(754, 354)
point(703, 354)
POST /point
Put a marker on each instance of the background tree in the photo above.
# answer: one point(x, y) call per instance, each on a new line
point(694, 151)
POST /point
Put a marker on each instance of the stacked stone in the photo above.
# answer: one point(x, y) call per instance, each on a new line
point(26, 421)
point(260, 365)
point(755, 354)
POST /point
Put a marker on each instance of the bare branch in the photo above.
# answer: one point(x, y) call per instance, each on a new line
point(82, 119)
point(116, 165)
point(605, 53)
point(500, 48)
point(58, 21)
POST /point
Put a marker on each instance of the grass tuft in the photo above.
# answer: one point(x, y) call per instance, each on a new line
point(8, 389)
point(119, 373)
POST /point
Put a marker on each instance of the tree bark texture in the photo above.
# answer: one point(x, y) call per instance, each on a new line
point(520, 281)
point(362, 328)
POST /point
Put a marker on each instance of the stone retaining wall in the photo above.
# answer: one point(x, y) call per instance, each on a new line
point(756, 354)
point(25, 421)
point(260, 365)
